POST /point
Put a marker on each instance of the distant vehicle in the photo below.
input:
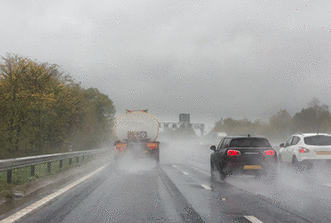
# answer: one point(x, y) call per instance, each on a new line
point(243, 155)
point(137, 131)
point(302, 150)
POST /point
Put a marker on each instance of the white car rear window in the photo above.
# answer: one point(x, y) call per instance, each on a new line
point(318, 140)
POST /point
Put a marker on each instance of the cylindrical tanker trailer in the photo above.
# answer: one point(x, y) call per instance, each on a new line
point(137, 130)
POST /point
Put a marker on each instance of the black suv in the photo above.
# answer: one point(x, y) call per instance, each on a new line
point(242, 154)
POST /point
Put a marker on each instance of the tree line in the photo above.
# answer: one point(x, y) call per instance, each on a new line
point(315, 118)
point(43, 111)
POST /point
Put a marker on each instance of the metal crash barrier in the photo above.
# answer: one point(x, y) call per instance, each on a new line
point(10, 164)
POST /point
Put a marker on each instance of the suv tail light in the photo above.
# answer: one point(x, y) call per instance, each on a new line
point(232, 152)
point(269, 153)
point(303, 150)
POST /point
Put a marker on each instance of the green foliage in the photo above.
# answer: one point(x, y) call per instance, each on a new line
point(315, 118)
point(42, 110)
point(280, 124)
point(240, 127)
point(97, 123)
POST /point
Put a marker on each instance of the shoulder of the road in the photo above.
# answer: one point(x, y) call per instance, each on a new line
point(18, 215)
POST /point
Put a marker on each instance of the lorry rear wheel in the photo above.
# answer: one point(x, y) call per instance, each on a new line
point(157, 158)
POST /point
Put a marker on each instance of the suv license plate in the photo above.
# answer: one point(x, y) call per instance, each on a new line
point(252, 167)
point(322, 152)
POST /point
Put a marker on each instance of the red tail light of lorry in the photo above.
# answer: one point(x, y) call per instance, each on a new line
point(152, 145)
point(121, 146)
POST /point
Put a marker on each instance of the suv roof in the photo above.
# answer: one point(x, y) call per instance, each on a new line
point(231, 137)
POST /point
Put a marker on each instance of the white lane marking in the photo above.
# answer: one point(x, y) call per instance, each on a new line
point(200, 170)
point(181, 170)
point(45, 200)
point(206, 186)
point(252, 219)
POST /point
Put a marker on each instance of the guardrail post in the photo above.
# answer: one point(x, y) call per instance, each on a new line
point(49, 167)
point(31, 162)
point(9, 174)
point(32, 170)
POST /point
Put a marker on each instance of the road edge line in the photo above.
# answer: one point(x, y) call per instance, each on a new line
point(18, 215)
point(252, 219)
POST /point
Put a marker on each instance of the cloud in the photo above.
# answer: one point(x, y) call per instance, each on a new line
point(241, 59)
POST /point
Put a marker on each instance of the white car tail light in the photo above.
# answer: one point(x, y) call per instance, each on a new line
point(303, 150)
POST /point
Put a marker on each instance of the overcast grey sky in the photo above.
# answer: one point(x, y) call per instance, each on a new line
point(213, 59)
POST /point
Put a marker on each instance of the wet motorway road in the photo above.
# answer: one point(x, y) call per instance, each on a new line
point(180, 190)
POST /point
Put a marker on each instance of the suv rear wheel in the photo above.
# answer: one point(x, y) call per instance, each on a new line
point(212, 169)
point(223, 175)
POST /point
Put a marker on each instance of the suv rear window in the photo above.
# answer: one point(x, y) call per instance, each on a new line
point(250, 142)
point(318, 140)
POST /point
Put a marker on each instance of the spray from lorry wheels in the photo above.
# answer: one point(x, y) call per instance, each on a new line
point(137, 133)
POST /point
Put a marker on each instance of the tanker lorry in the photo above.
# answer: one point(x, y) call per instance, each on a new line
point(137, 131)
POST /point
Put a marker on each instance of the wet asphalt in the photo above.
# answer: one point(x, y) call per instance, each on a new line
point(179, 189)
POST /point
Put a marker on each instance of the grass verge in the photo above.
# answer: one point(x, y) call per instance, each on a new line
point(22, 175)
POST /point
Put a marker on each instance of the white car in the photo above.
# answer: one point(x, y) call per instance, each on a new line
point(304, 149)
